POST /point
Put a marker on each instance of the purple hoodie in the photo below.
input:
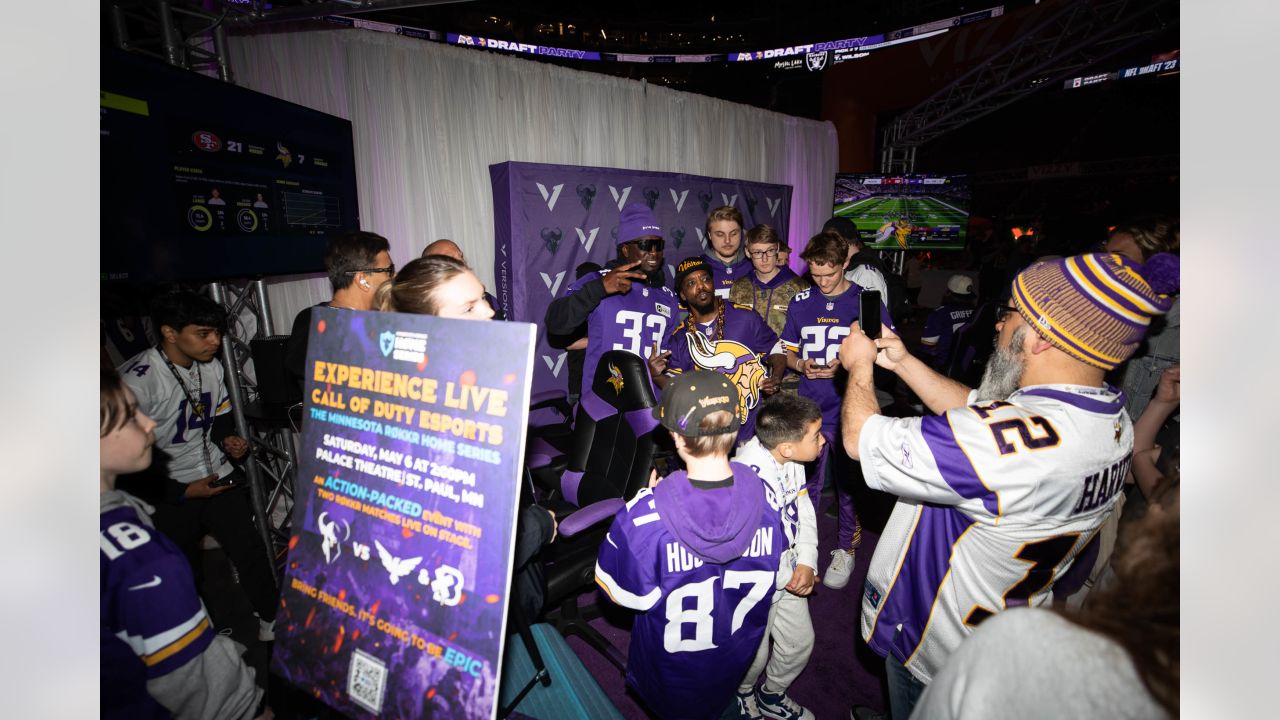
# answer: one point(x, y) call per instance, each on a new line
point(715, 523)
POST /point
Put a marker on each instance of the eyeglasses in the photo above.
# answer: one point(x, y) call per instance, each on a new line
point(390, 270)
point(1003, 311)
point(762, 254)
point(650, 244)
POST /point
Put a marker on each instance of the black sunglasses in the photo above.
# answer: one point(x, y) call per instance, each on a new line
point(390, 270)
point(1003, 311)
point(650, 244)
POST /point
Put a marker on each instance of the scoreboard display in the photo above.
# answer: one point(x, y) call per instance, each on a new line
point(204, 180)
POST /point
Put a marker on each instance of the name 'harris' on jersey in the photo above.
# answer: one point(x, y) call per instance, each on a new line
point(634, 321)
point(816, 324)
point(1000, 498)
point(700, 622)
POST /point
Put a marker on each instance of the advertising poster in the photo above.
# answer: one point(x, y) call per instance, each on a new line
point(396, 585)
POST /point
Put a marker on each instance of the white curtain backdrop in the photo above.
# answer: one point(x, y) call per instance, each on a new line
point(430, 118)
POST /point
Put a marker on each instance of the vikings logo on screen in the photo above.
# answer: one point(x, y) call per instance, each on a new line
point(736, 362)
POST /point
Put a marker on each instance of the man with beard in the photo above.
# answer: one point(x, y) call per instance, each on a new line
point(1000, 490)
point(725, 338)
point(626, 305)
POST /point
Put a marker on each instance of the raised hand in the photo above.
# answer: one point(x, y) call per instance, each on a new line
point(619, 279)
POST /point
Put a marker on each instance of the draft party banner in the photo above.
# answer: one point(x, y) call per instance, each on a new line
point(396, 586)
point(549, 219)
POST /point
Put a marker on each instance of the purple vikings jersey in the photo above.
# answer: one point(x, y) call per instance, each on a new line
point(816, 324)
point(632, 321)
point(941, 326)
point(723, 276)
point(995, 501)
point(741, 356)
point(700, 622)
point(149, 596)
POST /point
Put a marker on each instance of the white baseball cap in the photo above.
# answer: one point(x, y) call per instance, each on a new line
point(960, 284)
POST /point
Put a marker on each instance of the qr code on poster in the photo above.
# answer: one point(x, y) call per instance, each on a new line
point(367, 681)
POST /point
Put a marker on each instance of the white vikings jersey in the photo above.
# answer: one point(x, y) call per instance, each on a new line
point(181, 432)
point(784, 486)
point(995, 501)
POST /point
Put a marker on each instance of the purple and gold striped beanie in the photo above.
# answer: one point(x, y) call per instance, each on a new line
point(1096, 307)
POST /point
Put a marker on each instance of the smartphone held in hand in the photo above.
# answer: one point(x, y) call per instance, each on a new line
point(869, 313)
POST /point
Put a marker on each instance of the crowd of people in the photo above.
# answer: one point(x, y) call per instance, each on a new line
point(769, 391)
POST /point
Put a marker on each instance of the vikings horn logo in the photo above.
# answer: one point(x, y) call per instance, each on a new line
point(586, 193)
point(615, 379)
point(736, 362)
point(677, 234)
point(551, 238)
point(650, 197)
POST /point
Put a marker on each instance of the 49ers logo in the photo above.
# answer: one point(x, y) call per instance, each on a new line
point(206, 141)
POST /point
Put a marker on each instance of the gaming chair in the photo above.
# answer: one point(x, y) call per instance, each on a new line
point(609, 461)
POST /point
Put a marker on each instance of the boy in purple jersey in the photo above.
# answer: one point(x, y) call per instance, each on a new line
point(626, 306)
point(160, 655)
point(697, 555)
point(725, 338)
point(726, 257)
point(817, 320)
point(941, 325)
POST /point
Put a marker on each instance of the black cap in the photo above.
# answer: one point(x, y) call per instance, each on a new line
point(692, 396)
point(689, 266)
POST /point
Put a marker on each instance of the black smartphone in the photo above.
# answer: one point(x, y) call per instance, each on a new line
point(869, 313)
point(220, 482)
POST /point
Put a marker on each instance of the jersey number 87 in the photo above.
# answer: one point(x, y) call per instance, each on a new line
point(701, 614)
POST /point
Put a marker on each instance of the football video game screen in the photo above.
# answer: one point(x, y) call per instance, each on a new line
point(905, 212)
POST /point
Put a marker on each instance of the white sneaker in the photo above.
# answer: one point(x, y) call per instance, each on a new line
point(746, 707)
point(780, 707)
point(841, 567)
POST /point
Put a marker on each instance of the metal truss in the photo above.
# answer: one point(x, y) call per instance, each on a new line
point(1078, 35)
point(181, 34)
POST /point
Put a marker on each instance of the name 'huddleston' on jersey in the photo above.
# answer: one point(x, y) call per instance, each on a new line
point(680, 560)
point(701, 580)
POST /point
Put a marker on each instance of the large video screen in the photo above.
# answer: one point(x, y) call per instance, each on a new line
point(905, 212)
point(204, 180)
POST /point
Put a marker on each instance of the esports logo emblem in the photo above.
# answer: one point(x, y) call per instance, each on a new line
point(551, 239)
point(815, 61)
point(396, 567)
point(751, 205)
point(704, 199)
point(386, 342)
point(615, 379)
point(677, 236)
point(551, 197)
point(206, 141)
point(650, 197)
point(586, 194)
point(446, 588)
point(332, 546)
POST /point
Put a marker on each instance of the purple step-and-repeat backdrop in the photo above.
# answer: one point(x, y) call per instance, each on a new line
point(397, 583)
point(548, 219)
